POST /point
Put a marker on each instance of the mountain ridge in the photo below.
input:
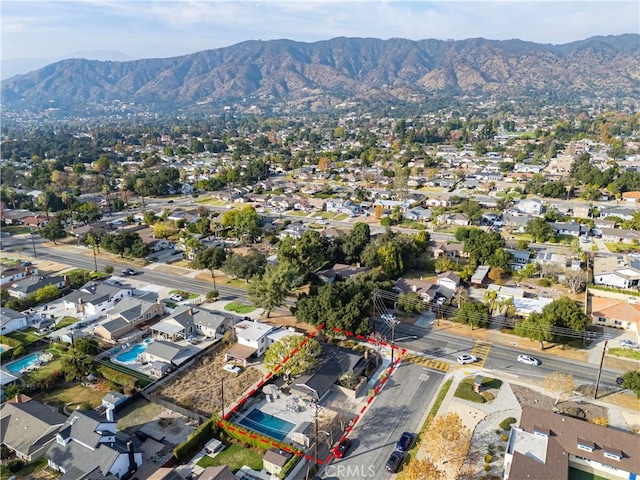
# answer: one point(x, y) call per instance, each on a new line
point(327, 72)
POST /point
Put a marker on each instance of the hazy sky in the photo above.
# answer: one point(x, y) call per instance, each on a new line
point(164, 28)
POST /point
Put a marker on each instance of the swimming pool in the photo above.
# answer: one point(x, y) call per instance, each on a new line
point(130, 356)
point(268, 424)
point(26, 362)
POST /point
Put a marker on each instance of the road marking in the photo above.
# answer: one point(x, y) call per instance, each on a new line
point(428, 362)
point(481, 350)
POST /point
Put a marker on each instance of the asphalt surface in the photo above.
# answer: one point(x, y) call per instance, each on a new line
point(400, 406)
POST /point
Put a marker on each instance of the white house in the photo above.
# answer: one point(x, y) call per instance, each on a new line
point(616, 272)
point(210, 324)
point(252, 341)
point(531, 206)
point(94, 299)
point(10, 321)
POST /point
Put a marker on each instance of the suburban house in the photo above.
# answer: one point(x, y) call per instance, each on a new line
point(159, 244)
point(346, 207)
point(13, 273)
point(28, 427)
point(616, 272)
point(549, 443)
point(10, 321)
point(252, 341)
point(459, 219)
point(450, 249)
point(427, 289)
point(547, 257)
point(631, 197)
point(222, 472)
point(210, 324)
point(573, 229)
point(334, 362)
point(27, 286)
point(437, 202)
point(128, 314)
point(449, 281)
point(112, 399)
point(418, 214)
point(610, 312)
point(618, 235)
point(94, 298)
point(481, 276)
point(178, 326)
point(519, 258)
point(275, 459)
point(341, 271)
point(531, 206)
point(165, 355)
point(88, 446)
point(295, 230)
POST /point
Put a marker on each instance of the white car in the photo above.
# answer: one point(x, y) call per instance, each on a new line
point(232, 368)
point(627, 344)
point(388, 317)
point(441, 300)
point(527, 360)
point(175, 297)
point(464, 359)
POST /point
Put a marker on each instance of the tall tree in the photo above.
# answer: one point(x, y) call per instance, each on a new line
point(53, 230)
point(302, 354)
point(536, 328)
point(472, 313)
point(448, 438)
point(210, 259)
point(559, 384)
point(271, 289)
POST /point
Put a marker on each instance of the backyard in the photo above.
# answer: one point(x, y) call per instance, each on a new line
point(235, 457)
point(199, 387)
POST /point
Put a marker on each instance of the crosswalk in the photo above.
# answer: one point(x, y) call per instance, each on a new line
point(481, 350)
point(427, 362)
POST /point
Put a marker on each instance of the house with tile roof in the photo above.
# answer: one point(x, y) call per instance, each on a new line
point(88, 446)
point(28, 428)
point(547, 445)
point(611, 312)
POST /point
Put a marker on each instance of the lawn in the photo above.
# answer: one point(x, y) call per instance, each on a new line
point(465, 389)
point(341, 217)
point(625, 352)
point(27, 471)
point(16, 229)
point(137, 414)
point(10, 261)
point(185, 295)
point(25, 337)
point(238, 307)
point(75, 395)
point(9, 341)
point(66, 321)
point(622, 247)
point(297, 213)
point(235, 457)
point(45, 370)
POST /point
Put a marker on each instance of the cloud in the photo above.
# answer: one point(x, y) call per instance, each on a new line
point(155, 28)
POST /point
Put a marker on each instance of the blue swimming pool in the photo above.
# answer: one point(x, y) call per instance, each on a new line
point(268, 424)
point(131, 355)
point(25, 362)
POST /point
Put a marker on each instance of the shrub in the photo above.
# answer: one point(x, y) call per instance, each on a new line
point(122, 379)
point(488, 396)
point(18, 351)
point(504, 437)
point(487, 468)
point(500, 448)
point(544, 282)
point(603, 422)
point(15, 465)
point(488, 458)
point(506, 423)
point(108, 269)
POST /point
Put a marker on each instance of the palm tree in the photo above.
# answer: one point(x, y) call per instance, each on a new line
point(106, 190)
point(66, 198)
point(44, 202)
point(461, 296)
point(490, 300)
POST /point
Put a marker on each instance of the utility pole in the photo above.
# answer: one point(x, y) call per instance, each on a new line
point(33, 244)
point(373, 312)
point(315, 432)
point(222, 395)
point(393, 339)
point(604, 350)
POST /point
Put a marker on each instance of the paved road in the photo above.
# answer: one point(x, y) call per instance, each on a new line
point(400, 406)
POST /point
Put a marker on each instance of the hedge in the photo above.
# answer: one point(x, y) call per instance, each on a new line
point(196, 440)
point(255, 439)
point(117, 377)
point(506, 423)
point(289, 466)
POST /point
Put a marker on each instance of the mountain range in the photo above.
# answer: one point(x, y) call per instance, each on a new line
point(323, 74)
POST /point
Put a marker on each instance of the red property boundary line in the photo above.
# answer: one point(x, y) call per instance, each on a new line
point(269, 376)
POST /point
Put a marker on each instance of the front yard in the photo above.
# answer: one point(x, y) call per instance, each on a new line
point(238, 307)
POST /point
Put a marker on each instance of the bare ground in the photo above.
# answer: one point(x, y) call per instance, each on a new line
point(199, 387)
point(526, 396)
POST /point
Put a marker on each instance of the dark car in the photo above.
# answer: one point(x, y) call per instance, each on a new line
point(395, 461)
point(342, 448)
point(404, 444)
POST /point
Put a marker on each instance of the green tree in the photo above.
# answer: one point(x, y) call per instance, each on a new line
point(307, 254)
point(355, 241)
point(539, 229)
point(271, 289)
point(631, 380)
point(411, 302)
point(77, 367)
point(210, 259)
point(53, 230)
point(245, 266)
point(475, 314)
point(307, 353)
point(88, 346)
point(390, 257)
point(243, 223)
point(535, 327)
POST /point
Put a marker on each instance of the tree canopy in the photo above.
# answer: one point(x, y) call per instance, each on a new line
point(271, 289)
point(308, 351)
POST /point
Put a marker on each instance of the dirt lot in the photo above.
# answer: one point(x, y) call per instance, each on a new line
point(198, 388)
point(526, 396)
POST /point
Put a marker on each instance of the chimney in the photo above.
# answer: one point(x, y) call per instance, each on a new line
point(414, 288)
point(18, 398)
point(66, 280)
point(191, 312)
point(132, 460)
point(110, 415)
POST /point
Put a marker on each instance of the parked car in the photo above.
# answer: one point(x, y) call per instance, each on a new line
point(527, 360)
point(404, 444)
point(342, 448)
point(129, 271)
point(627, 344)
point(395, 461)
point(175, 297)
point(464, 359)
point(388, 317)
point(232, 368)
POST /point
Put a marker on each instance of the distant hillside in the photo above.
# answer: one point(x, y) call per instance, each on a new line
point(322, 74)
